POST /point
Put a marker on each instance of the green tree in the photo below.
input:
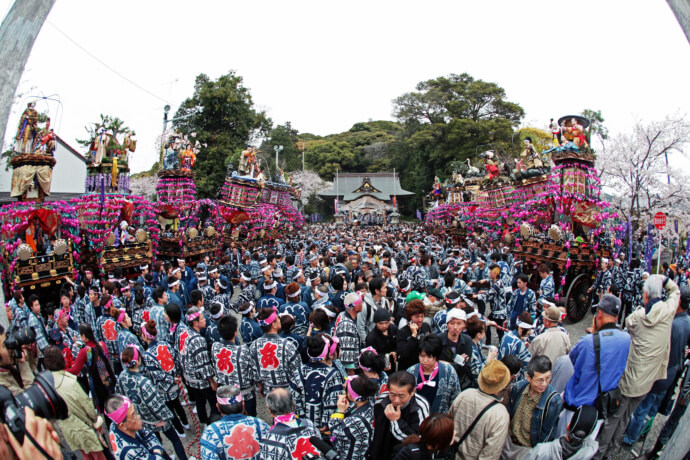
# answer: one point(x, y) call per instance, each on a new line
point(222, 115)
point(449, 119)
point(596, 127)
point(290, 157)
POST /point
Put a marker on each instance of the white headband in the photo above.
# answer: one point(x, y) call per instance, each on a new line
point(331, 314)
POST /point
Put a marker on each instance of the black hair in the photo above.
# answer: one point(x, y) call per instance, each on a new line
point(227, 327)
point(402, 379)
point(158, 293)
point(338, 282)
point(195, 296)
point(523, 277)
point(372, 361)
point(431, 345)
point(364, 387)
point(376, 284)
point(174, 312)
point(512, 362)
point(539, 363)
point(315, 344)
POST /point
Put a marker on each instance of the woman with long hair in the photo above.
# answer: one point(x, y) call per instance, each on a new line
point(98, 373)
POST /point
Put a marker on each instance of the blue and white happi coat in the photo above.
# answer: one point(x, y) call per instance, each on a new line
point(149, 403)
point(353, 434)
point(322, 386)
point(350, 340)
point(234, 437)
point(197, 366)
point(145, 445)
point(277, 363)
point(289, 441)
point(234, 366)
point(447, 386)
point(511, 344)
point(159, 362)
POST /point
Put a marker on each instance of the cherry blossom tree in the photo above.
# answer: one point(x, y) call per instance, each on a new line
point(635, 168)
point(310, 185)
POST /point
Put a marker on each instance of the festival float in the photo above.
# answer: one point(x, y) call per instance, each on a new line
point(549, 207)
point(38, 236)
point(117, 229)
point(189, 225)
point(256, 209)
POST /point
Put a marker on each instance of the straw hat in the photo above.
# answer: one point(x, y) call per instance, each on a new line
point(494, 377)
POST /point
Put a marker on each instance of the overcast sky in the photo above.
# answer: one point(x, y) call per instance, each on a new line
point(325, 65)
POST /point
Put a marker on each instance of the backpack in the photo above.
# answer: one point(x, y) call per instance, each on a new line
point(101, 371)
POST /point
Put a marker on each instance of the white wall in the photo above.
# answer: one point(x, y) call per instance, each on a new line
point(69, 173)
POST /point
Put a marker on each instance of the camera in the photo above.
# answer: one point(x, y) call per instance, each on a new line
point(41, 396)
point(18, 337)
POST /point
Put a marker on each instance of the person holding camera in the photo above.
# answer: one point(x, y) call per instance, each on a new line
point(79, 428)
point(129, 439)
point(15, 371)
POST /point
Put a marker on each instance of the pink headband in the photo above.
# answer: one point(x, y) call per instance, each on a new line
point(334, 346)
point(268, 321)
point(145, 333)
point(229, 401)
point(350, 391)
point(121, 318)
point(118, 416)
point(324, 352)
point(357, 302)
point(62, 313)
point(108, 304)
point(194, 316)
point(135, 357)
point(359, 360)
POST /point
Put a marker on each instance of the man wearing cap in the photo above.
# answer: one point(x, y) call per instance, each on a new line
point(456, 347)
point(649, 328)
point(348, 333)
point(665, 388)
point(583, 387)
point(383, 338)
point(553, 342)
point(487, 437)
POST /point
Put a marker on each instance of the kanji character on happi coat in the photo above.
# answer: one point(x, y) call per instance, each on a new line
point(197, 366)
point(235, 436)
point(159, 366)
point(125, 337)
point(351, 425)
point(347, 332)
point(297, 308)
point(323, 382)
point(288, 438)
point(150, 405)
point(277, 360)
point(129, 439)
point(233, 364)
point(106, 331)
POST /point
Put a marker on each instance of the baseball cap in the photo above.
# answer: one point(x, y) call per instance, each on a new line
point(610, 304)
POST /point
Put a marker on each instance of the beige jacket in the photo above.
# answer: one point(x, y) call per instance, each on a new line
point(7, 379)
point(486, 440)
point(553, 343)
point(78, 427)
point(650, 344)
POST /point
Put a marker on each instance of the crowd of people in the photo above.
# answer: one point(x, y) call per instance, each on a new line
point(370, 343)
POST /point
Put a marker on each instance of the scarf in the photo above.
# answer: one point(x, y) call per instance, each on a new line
point(431, 377)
